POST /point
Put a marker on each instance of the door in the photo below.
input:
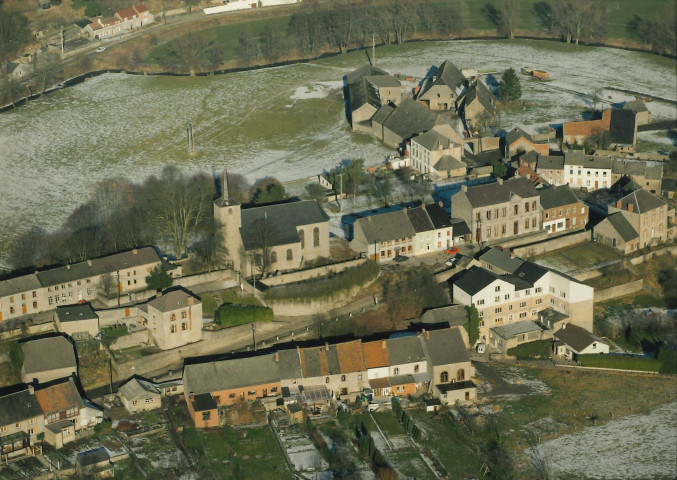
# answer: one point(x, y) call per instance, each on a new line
point(23, 308)
point(516, 228)
point(596, 184)
point(265, 392)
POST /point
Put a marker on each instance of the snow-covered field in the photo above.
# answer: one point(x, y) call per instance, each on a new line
point(633, 447)
point(283, 121)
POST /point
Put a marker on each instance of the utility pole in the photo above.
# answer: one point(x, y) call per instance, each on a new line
point(373, 49)
point(62, 42)
point(191, 140)
point(254, 335)
point(341, 194)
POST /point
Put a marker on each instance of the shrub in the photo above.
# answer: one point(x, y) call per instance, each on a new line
point(536, 349)
point(620, 362)
point(232, 315)
point(327, 287)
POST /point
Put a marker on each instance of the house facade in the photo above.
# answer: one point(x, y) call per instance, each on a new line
point(551, 169)
point(649, 216)
point(174, 318)
point(383, 237)
point(516, 290)
point(615, 231)
point(647, 175)
point(438, 152)
point(21, 421)
point(499, 210)
point(517, 140)
point(122, 22)
point(562, 211)
point(589, 171)
point(138, 395)
point(442, 87)
point(77, 321)
point(572, 340)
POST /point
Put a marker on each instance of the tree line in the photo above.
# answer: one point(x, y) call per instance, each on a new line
point(172, 210)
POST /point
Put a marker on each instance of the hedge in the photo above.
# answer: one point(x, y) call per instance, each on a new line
point(622, 362)
point(232, 314)
point(535, 349)
point(326, 287)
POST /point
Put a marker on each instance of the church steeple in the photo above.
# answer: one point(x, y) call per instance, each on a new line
point(224, 187)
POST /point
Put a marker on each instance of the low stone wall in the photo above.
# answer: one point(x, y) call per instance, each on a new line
point(209, 277)
point(309, 273)
point(115, 316)
point(618, 291)
point(514, 242)
point(130, 340)
point(587, 275)
point(650, 255)
point(300, 307)
point(551, 244)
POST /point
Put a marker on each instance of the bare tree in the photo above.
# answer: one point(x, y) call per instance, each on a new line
point(264, 232)
point(191, 51)
point(579, 19)
point(509, 11)
point(108, 285)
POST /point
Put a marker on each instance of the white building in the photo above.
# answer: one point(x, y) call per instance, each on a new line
point(589, 171)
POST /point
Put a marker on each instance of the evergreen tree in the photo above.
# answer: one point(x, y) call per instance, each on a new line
point(158, 279)
point(509, 89)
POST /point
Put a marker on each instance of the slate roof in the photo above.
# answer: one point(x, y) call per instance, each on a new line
point(576, 337)
point(447, 162)
point(386, 226)
point(410, 118)
point(444, 347)
point(552, 197)
point(622, 127)
point(579, 158)
point(236, 373)
point(495, 193)
point(375, 354)
point(18, 406)
point(382, 114)
point(480, 91)
point(511, 330)
point(173, 299)
point(61, 354)
point(319, 361)
point(550, 162)
point(454, 315)
point(438, 216)
point(74, 313)
point(459, 227)
point(621, 225)
point(641, 201)
point(669, 185)
point(446, 74)
point(403, 350)
point(531, 272)
point(500, 259)
point(517, 133)
point(383, 81)
point(103, 265)
point(419, 219)
point(17, 285)
point(433, 140)
point(283, 219)
point(653, 171)
point(136, 387)
point(59, 397)
point(449, 387)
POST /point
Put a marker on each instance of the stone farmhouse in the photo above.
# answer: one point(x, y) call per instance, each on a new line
point(173, 318)
point(41, 368)
point(497, 211)
point(400, 365)
point(637, 220)
point(79, 282)
point(438, 153)
point(618, 128)
point(518, 141)
point(506, 290)
point(366, 90)
point(272, 238)
point(122, 22)
point(442, 87)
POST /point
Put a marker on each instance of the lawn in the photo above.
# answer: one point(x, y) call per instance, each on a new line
point(611, 276)
point(388, 423)
point(621, 362)
point(532, 350)
point(213, 300)
point(251, 453)
point(579, 256)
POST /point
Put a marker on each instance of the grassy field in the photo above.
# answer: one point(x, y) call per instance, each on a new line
point(580, 256)
point(538, 349)
point(213, 300)
point(620, 362)
point(611, 276)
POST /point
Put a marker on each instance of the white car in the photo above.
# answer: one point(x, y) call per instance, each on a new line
point(100, 49)
point(450, 262)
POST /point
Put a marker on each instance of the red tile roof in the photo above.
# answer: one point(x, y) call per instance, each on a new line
point(350, 357)
point(589, 127)
point(375, 354)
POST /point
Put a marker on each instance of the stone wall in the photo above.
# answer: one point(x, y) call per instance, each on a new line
point(618, 291)
point(301, 275)
point(299, 307)
point(551, 244)
point(209, 277)
point(587, 275)
point(650, 255)
point(115, 316)
point(130, 340)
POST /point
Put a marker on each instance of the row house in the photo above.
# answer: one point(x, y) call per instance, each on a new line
point(402, 365)
point(56, 411)
point(647, 175)
point(117, 275)
point(562, 211)
point(587, 171)
point(122, 22)
point(499, 210)
point(286, 234)
point(515, 290)
point(637, 220)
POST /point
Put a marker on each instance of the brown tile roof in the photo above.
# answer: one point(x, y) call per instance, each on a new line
point(59, 397)
point(141, 8)
point(588, 127)
point(375, 354)
point(379, 383)
point(127, 13)
point(350, 357)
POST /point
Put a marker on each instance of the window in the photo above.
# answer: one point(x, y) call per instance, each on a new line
point(326, 380)
point(523, 304)
point(206, 416)
point(149, 400)
point(460, 375)
point(539, 301)
point(479, 302)
point(172, 317)
point(415, 368)
point(184, 326)
point(232, 395)
point(23, 296)
point(539, 289)
point(343, 378)
point(481, 313)
point(172, 329)
point(507, 296)
point(497, 288)
point(516, 209)
point(50, 300)
point(498, 321)
point(552, 289)
point(497, 299)
point(526, 207)
point(563, 294)
point(533, 205)
point(18, 425)
point(523, 314)
point(290, 255)
point(533, 222)
point(396, 371)
point(11, 309)
point(251, 393)
point(316, 237)
point(547, 215)
point(34, 294)
point(444, 377)
point(498, 310)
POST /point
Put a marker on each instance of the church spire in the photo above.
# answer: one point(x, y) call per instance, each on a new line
point(224, 186)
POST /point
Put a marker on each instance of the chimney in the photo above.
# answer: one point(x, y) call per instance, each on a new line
point(383, 344)
point(68, 266)
point(326, 346)
point(89, 262)
point(500, 181)
point(464, 188)
point(512, 254)
point(191, 301)
point(631, 207)
point(564, 325)
point(277, 356)
point(440, 203)
point(619, 204)
point(427, 335)
point(135, 251)
point(31, 389)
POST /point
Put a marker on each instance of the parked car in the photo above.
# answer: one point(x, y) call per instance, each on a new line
point(100, 49)
point(401, 258)
point(452, 251)
point(450, 262)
